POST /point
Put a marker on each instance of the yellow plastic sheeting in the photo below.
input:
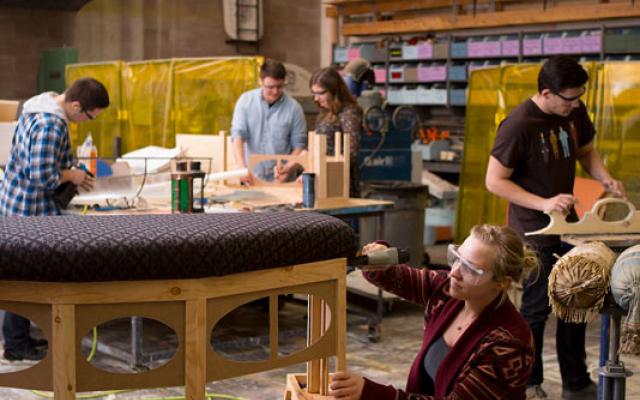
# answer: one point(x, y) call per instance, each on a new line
point(479, 128)
point(206, 90)
point(153, 100)
point(108, 125)
point(147, 100)
point(618, 123)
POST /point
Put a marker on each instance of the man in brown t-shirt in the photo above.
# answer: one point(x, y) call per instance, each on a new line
point(533, 165)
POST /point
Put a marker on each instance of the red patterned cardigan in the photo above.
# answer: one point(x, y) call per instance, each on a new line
point(492, 359)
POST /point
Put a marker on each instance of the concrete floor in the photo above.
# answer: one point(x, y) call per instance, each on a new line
point(387, 361)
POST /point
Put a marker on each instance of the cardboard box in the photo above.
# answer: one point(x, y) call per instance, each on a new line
point(6, 137)
point(8, 123)
point(8, 110)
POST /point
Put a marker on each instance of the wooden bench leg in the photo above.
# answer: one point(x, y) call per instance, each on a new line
point(63, 349)
point(195, 349)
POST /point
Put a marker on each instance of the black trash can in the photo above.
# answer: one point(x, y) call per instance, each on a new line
point(404, 223)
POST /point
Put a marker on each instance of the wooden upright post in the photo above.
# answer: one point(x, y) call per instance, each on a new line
point(64, 351)
point(346, 171)
point(195, 368)
point(320, 165)
point(314, 332)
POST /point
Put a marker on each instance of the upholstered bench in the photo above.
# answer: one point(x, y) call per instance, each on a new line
point(71, 273)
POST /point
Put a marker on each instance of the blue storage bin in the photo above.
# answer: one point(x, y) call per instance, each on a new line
point(459, 49)
point(457, 72)
point(340, 54)
point(457, 96)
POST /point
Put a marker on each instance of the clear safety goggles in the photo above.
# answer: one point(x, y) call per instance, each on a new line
point(470, 272)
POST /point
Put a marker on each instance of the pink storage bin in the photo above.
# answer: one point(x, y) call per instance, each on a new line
point(532, 47)
point(553, 45)
point(510, 47)
point(423, 72)
point(484, 48)
point(492, 48)
point(572, 45)
point(353, 53)
point(380, 74)
point(432, 73)
point(591, 42)
point(475, 49)
point(424, 51)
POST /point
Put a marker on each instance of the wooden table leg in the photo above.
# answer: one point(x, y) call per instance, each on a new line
point(196, 349)
point(64, 351)
point(314, 332)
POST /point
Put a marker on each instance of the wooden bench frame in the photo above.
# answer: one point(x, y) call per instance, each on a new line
point(191, 307)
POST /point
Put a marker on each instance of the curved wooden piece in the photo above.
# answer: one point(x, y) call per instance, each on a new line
point(591, 222)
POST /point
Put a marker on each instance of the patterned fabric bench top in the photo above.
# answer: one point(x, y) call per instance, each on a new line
point(180, 246)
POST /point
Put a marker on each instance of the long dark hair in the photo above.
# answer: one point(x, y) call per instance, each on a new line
point(330, 80)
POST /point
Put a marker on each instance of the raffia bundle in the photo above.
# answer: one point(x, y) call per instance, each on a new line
point(625, 287)
point(579, 280)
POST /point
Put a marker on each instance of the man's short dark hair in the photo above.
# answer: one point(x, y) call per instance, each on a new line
point(90, 93)
point(272, 69)
point(560, 73)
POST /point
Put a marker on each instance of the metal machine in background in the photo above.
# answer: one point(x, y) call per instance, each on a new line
point(385, 159)
point(385, 142)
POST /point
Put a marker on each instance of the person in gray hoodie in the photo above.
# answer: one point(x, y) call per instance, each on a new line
point(40, 161)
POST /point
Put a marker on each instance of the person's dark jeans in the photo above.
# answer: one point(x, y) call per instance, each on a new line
point(15, 330)
point(570, 337)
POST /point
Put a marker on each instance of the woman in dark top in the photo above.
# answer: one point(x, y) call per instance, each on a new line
point(339, 112)
point(476, 345)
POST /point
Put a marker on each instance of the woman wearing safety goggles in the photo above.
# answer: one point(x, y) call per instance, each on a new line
point(476, 344)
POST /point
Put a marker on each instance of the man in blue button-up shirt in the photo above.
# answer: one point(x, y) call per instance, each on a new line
point(268, 121)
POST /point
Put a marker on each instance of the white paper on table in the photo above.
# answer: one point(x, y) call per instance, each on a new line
point(158, 159)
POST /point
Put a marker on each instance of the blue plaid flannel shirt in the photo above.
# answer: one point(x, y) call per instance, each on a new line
point(40, 150)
